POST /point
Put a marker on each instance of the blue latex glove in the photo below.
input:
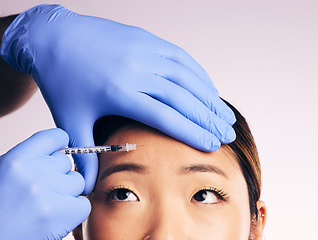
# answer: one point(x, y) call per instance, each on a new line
point(39, 192)
point(88, 67)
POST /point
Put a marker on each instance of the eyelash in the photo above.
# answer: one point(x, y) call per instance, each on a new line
point(220, 193)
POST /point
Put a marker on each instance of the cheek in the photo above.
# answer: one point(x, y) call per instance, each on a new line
point(134, 221)
point(114, 222)
point(239, 219)
point(227, 223)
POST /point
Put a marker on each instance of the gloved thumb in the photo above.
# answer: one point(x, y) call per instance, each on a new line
point(86, 164)
point(45, 142)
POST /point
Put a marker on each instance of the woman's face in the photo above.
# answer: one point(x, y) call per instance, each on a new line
point(167, 190)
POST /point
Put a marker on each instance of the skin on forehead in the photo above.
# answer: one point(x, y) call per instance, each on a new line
point(165, 174)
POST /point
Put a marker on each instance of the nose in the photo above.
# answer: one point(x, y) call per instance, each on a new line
point(168, 222)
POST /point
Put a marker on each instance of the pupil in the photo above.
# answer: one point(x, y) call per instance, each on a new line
point(122, 194)
point(200, 196)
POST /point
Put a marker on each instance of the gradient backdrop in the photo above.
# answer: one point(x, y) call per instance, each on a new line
point(262, 57)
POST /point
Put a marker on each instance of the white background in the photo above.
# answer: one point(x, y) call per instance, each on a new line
point(262, 57)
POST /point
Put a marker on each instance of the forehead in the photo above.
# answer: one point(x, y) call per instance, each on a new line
point(159, 151)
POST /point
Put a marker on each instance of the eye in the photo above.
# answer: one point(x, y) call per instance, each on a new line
point(121, 195)
point(209, 196)
point(205, 196)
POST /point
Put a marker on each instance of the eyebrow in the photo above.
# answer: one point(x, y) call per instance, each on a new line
point(137, 168)
point(197, 168)
point(123, 167)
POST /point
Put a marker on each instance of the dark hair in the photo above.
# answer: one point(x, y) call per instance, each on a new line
point(246, 154)
point(243, 148)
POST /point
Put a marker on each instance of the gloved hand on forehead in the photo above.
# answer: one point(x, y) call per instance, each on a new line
point(88, 67)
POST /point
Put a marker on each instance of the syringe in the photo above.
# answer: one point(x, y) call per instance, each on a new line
point(100, 149)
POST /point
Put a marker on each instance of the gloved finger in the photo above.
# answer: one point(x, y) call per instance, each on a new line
point(180, 56)
point(71, 213)
point(86, 164)
point(185, 78)
point(190, 107)
point(166, 119)
point(72, 184)
point(84, 204)
point(59, 162)
point(44, 143)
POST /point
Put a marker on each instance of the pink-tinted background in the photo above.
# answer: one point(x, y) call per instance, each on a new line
point(262, 57)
